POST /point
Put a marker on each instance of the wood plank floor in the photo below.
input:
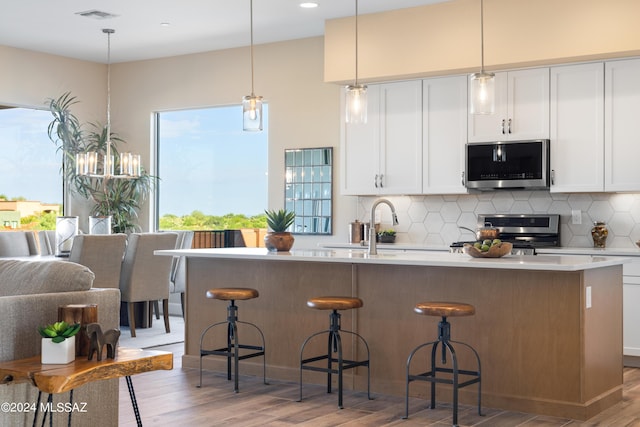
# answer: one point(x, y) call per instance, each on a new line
point(171, 398)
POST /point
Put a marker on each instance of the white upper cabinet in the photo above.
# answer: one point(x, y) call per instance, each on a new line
point(384, 156)
point(444, 130)
point(622, 125)
point(577, 128)
point(522, 108)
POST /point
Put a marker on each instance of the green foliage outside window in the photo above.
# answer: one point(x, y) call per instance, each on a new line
point(200, 221)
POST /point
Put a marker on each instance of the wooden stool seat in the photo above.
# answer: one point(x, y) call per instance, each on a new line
point(444, 309)
point(334, 303)
point(228, 294)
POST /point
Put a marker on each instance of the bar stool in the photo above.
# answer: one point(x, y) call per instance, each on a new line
point(233, 347)
point(444, 310)
point(334, 344)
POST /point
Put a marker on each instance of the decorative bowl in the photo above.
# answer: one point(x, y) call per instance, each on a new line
point(495, 251)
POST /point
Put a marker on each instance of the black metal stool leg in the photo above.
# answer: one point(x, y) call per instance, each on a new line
point(232, 349)
point(444, 335)
point(334, 346)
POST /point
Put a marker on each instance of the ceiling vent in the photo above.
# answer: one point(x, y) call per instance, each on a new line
point(96, 14)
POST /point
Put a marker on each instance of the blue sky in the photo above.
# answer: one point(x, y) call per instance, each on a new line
point(29, 165)
point(208, 163)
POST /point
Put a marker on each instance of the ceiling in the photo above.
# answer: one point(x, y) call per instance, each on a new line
point(54, 26)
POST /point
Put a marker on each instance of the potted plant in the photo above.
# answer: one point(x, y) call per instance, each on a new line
point(56, 348)
point(387, 236)
point(279, 239)
point(119, 198)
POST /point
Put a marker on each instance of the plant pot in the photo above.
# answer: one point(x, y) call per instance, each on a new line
point(59, 353)
point(278, 242)
point(386, 239)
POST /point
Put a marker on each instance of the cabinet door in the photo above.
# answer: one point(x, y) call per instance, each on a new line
point(622, 126)
point(528, 104)
point(577, 128)
point(359, 148)
point(401, 137)
point(444, 133)
point(489, 127)
point(522, 108)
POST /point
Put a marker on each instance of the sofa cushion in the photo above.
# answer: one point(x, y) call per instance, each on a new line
point(18, 277)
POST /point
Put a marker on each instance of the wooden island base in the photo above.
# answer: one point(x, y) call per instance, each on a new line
point(542, 350)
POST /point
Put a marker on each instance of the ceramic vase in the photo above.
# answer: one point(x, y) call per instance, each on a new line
point(59, 353)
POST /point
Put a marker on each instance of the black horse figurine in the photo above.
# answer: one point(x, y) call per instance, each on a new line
point(98, 339)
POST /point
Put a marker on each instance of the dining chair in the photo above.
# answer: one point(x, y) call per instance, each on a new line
point(103, 254)
point(47, 242)
point(178, 277)
point(18, 244)
point(144, 276)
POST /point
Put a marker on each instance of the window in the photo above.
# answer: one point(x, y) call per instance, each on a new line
point(210, 169)
point(31, 180)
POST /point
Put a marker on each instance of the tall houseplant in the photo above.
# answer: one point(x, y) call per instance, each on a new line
point(119, 198)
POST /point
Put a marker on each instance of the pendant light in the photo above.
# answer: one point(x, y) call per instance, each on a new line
point(482, 84)
point(251, 104)
point(87, 164)
point(356, 94)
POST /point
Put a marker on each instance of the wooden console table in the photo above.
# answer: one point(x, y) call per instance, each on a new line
point(62, 378)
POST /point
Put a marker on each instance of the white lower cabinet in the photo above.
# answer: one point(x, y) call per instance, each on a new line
point(631, 313)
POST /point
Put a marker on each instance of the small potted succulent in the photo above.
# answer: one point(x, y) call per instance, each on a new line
point(279, 239)
point(56, 348)
point(387, 236)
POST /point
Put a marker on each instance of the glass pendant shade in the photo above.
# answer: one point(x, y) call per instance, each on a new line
point(356, 104)
point(252, 113)
point(482, 87)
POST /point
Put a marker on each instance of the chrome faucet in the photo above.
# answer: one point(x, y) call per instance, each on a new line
point(373, 250)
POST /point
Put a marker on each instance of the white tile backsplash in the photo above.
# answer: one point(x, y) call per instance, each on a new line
point(435, 220)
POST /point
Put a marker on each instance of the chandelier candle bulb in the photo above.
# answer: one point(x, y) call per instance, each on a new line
point(125, 164)
point(81, 164)
point(92, 163)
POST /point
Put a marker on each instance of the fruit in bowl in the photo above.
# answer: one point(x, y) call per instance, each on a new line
point(488, 248)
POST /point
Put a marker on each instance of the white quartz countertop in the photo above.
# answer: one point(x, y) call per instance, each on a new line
point(426, 258)
point(561, 250)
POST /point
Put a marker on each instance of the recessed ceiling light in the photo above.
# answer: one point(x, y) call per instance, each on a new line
point(309, 4)
point(165, 24)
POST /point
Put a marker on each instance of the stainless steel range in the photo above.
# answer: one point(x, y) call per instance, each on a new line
point(525, 231)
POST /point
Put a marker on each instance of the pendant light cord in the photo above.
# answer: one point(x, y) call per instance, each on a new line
point(482, 36)
point(108, 85)
point(251, 24)
point(356, 43)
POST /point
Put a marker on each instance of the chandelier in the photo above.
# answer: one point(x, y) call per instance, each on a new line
point(101, 164)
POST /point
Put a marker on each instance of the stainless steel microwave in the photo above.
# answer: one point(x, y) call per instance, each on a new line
point(508, 165)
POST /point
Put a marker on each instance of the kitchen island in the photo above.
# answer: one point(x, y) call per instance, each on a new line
point(548, 329)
